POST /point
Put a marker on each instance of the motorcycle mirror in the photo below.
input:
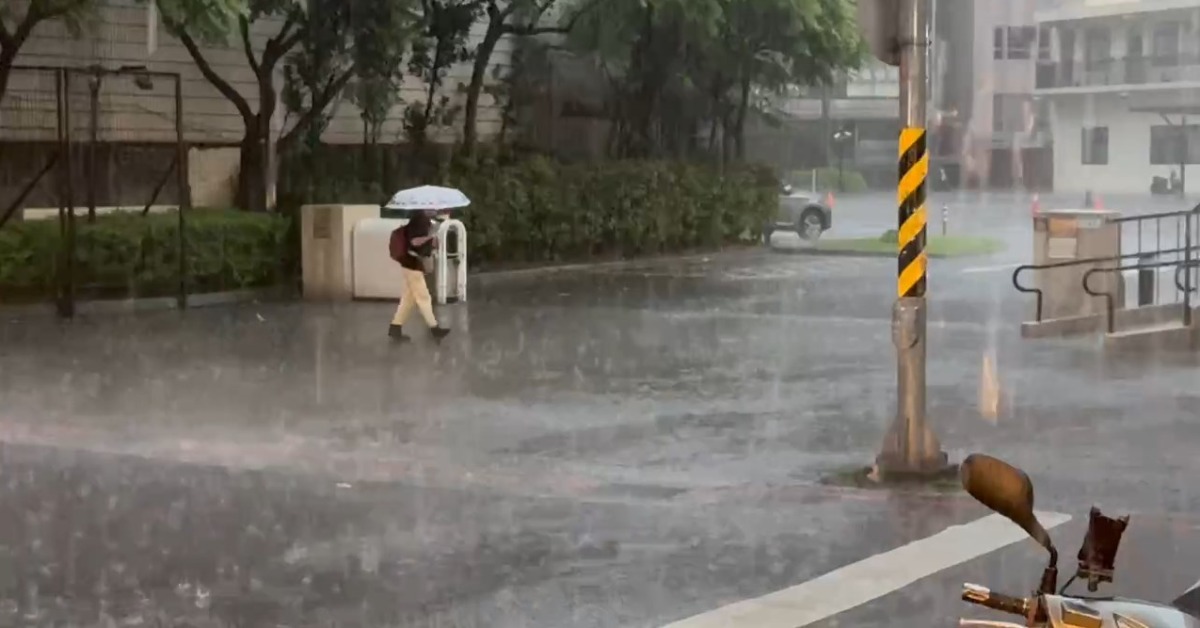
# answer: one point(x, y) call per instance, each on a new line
point(1006, 490)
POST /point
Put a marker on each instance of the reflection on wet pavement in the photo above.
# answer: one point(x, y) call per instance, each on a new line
point(616, 447)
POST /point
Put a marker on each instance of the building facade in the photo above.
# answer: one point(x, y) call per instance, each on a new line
point(990, 128)
point(1123, 77)
point(135, 124)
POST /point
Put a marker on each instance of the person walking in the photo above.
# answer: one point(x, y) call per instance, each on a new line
point(414, 253)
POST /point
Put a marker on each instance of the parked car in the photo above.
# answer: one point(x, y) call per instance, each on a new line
point(800, 212)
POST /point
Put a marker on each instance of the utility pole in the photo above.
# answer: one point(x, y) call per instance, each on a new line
point(898, 33)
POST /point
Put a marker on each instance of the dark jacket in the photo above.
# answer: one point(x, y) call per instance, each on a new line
point(418, 227)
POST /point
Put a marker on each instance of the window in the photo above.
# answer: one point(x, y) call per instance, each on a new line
point(1011, 113)
point(1166, 144)
point(1020, 42)
point(1094, 146)
point(1166, 44)
point(1097, 48)
point(1045, 41)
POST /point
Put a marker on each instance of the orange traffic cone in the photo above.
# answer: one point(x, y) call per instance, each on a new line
point(829, 200)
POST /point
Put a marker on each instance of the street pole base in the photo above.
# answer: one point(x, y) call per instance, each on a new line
point(893, 467)
point(871, 478)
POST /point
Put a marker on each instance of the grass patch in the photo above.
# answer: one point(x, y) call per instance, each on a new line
point(936, 246)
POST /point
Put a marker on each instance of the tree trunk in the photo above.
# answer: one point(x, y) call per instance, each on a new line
point(251, 193)
point(727, 133)
point(483, 57)
point(7, 57)
point(739, 130)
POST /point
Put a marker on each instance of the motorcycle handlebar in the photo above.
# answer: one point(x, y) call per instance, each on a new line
point(997, 601)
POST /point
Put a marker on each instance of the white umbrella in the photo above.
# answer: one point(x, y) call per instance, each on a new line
point(428, 197)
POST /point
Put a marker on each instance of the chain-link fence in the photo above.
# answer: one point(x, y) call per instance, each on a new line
point(95, 171)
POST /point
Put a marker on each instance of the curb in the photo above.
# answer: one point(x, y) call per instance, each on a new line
point(846, 253)
point(153, 304)
point(523, 273)
point(213, 299)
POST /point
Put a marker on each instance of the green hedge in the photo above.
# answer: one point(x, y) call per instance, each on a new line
point(542, 211)
point(535, 211)
point(130, 255)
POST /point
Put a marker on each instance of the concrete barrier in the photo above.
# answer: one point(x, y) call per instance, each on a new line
point(1097, 323)
point(326, 241)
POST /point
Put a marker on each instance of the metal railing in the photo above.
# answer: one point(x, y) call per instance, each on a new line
point(1037, 292)
point(1112, 71)
point(1188, 260)
point(1109, 297)
point(1185, 221)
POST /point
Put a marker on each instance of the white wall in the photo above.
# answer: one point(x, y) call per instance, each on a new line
point(1128, 169)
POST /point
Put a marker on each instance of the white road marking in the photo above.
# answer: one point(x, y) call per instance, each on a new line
point(853, 585)
point(988, 269)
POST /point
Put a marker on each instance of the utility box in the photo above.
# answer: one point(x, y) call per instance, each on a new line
point(1067, 235)
point(326, 249)
point(375, 274)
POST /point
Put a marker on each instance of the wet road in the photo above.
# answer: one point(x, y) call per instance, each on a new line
point(623, 446)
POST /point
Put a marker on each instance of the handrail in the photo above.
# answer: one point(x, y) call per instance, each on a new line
point(1140, 217)
point(1184, 266)
point(1075, 262)
point(1109, 296)
point(1186, 250)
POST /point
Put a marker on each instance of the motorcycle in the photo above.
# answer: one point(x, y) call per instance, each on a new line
point(1008, 491)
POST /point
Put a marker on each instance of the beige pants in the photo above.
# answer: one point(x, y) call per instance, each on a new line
point(415, 293)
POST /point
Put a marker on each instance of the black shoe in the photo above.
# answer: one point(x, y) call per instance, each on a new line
point(395, 332)
point(439, 332)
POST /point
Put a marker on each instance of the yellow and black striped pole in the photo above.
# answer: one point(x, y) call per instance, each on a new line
point(910, 196)
point(910, 447)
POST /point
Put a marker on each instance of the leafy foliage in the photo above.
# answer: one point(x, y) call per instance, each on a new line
point(212, 21)
point(19, 18)
point(677, 65)
point(540, 211)
point(129, 255)
point(352, 39)
point(443, 42)
point(383, 32)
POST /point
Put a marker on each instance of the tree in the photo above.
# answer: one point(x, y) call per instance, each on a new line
point(443, 43)
point(382, 37)
point(500, 15)
point(646, 48)
point(352, 38)
point(17, 25)
point(773, 44)
point(677, 63)
point(196, 21)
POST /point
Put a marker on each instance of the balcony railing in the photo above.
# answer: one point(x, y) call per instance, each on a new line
point(1119, 71)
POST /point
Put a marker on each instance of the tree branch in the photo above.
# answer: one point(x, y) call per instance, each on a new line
point(248, 45)
point(34, 15)
point(530, 29)
point(282, 42)
point(6, 38)
point(320, 102)
point(211, 75)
